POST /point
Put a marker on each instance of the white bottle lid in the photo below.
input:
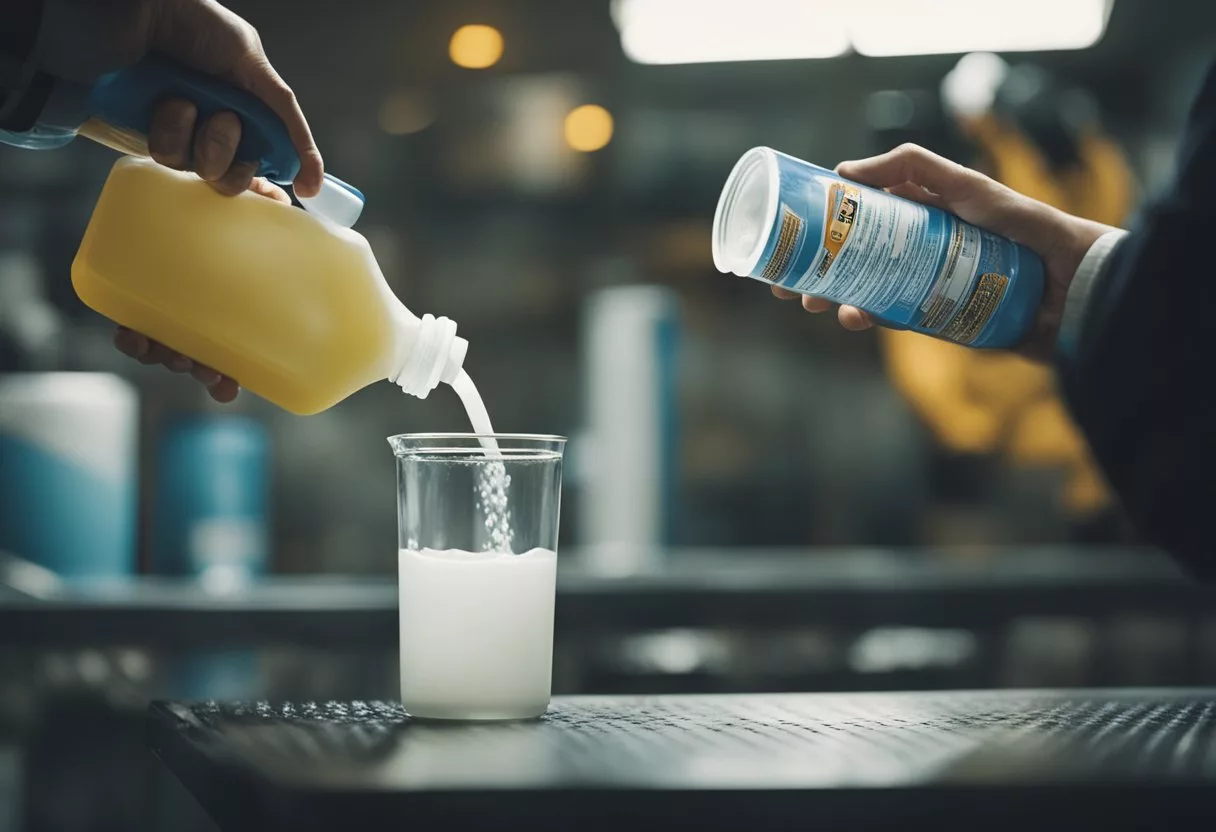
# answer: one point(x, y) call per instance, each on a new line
point(746, 211)
point(435, 355)
point(337, 202)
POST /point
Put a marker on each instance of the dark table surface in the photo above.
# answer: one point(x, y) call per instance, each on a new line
point(719, 588)
point(950, 760)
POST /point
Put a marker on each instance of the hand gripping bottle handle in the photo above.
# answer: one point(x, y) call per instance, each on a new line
point(116, 110)
point(126, 100)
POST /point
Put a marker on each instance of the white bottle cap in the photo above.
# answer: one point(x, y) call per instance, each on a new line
point(746, 212)
point(337, 202)
point(435, 355)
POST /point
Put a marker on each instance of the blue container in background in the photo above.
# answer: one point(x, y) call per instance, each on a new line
point(211, 516)
point(68, 474)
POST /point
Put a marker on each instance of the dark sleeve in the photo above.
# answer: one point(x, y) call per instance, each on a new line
point(1138, 382)
point(19, 22)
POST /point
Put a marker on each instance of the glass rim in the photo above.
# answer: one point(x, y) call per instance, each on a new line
point(471, 446)
point(525, 437)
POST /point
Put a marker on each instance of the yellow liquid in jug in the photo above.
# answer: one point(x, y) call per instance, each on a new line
point(293, 308)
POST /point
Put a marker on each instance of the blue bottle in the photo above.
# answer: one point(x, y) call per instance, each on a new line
point(69, 473)
point(116, 110)
point(212, 509)
point(211, 522)
point(911, 266)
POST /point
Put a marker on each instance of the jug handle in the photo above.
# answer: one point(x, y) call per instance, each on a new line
point(127, 98)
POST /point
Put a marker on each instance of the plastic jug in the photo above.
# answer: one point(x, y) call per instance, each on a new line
point(292, 306)
point(289, 303)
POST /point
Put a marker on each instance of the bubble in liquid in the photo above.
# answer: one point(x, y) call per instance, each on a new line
point(492, 484)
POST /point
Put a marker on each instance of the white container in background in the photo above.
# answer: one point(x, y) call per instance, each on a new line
point(629, 451)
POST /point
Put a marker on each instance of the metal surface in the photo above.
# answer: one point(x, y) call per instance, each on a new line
point(1007, 758)
point(753, 589)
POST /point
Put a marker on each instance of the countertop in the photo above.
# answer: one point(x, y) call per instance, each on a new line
point(952, 760)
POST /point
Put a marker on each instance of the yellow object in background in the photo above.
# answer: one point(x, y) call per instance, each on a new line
point(988, 402)
point(588, 128)
point(475, 46)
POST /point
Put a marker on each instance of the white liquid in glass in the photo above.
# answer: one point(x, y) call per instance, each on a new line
point(476, 633)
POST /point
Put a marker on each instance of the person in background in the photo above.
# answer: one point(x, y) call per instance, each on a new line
point(80, 40)
point(1045, 140)
point(1122, 318)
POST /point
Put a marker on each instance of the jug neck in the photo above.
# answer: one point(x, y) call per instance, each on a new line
point(428, 352)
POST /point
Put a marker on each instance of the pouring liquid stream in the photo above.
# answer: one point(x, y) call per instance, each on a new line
point(475, 409)
point(493, 479)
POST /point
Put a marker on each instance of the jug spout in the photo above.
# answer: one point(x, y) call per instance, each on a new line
point(431, 353)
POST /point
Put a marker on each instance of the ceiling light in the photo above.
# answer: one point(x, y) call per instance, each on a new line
point(882, 28)
point(709, 31)
point(588, 128)
point(475, 46)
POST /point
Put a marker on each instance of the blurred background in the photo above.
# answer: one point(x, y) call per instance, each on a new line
point(755, 499)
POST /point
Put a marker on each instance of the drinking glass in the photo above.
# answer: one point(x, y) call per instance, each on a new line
point(477, 562)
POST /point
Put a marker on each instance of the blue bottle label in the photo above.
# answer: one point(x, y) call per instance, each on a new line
point(911, 265)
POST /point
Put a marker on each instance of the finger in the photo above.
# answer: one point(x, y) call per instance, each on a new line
point(224, 390)
point(130, 343)
point(912, 163)
point(156, 353)
point(264, 187)
point(854, 319)
point(233, 49)
point(171, 133)
point(205, 375)
point(236, 179)
point(968, 193)
point(914, 192)
point(814, 304)
point(178, 363)
point(261, 79)
point(215, 146)
point(783, 294)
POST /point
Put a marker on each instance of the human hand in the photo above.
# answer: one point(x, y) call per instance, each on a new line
point(82, 39)
point(915, 173)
